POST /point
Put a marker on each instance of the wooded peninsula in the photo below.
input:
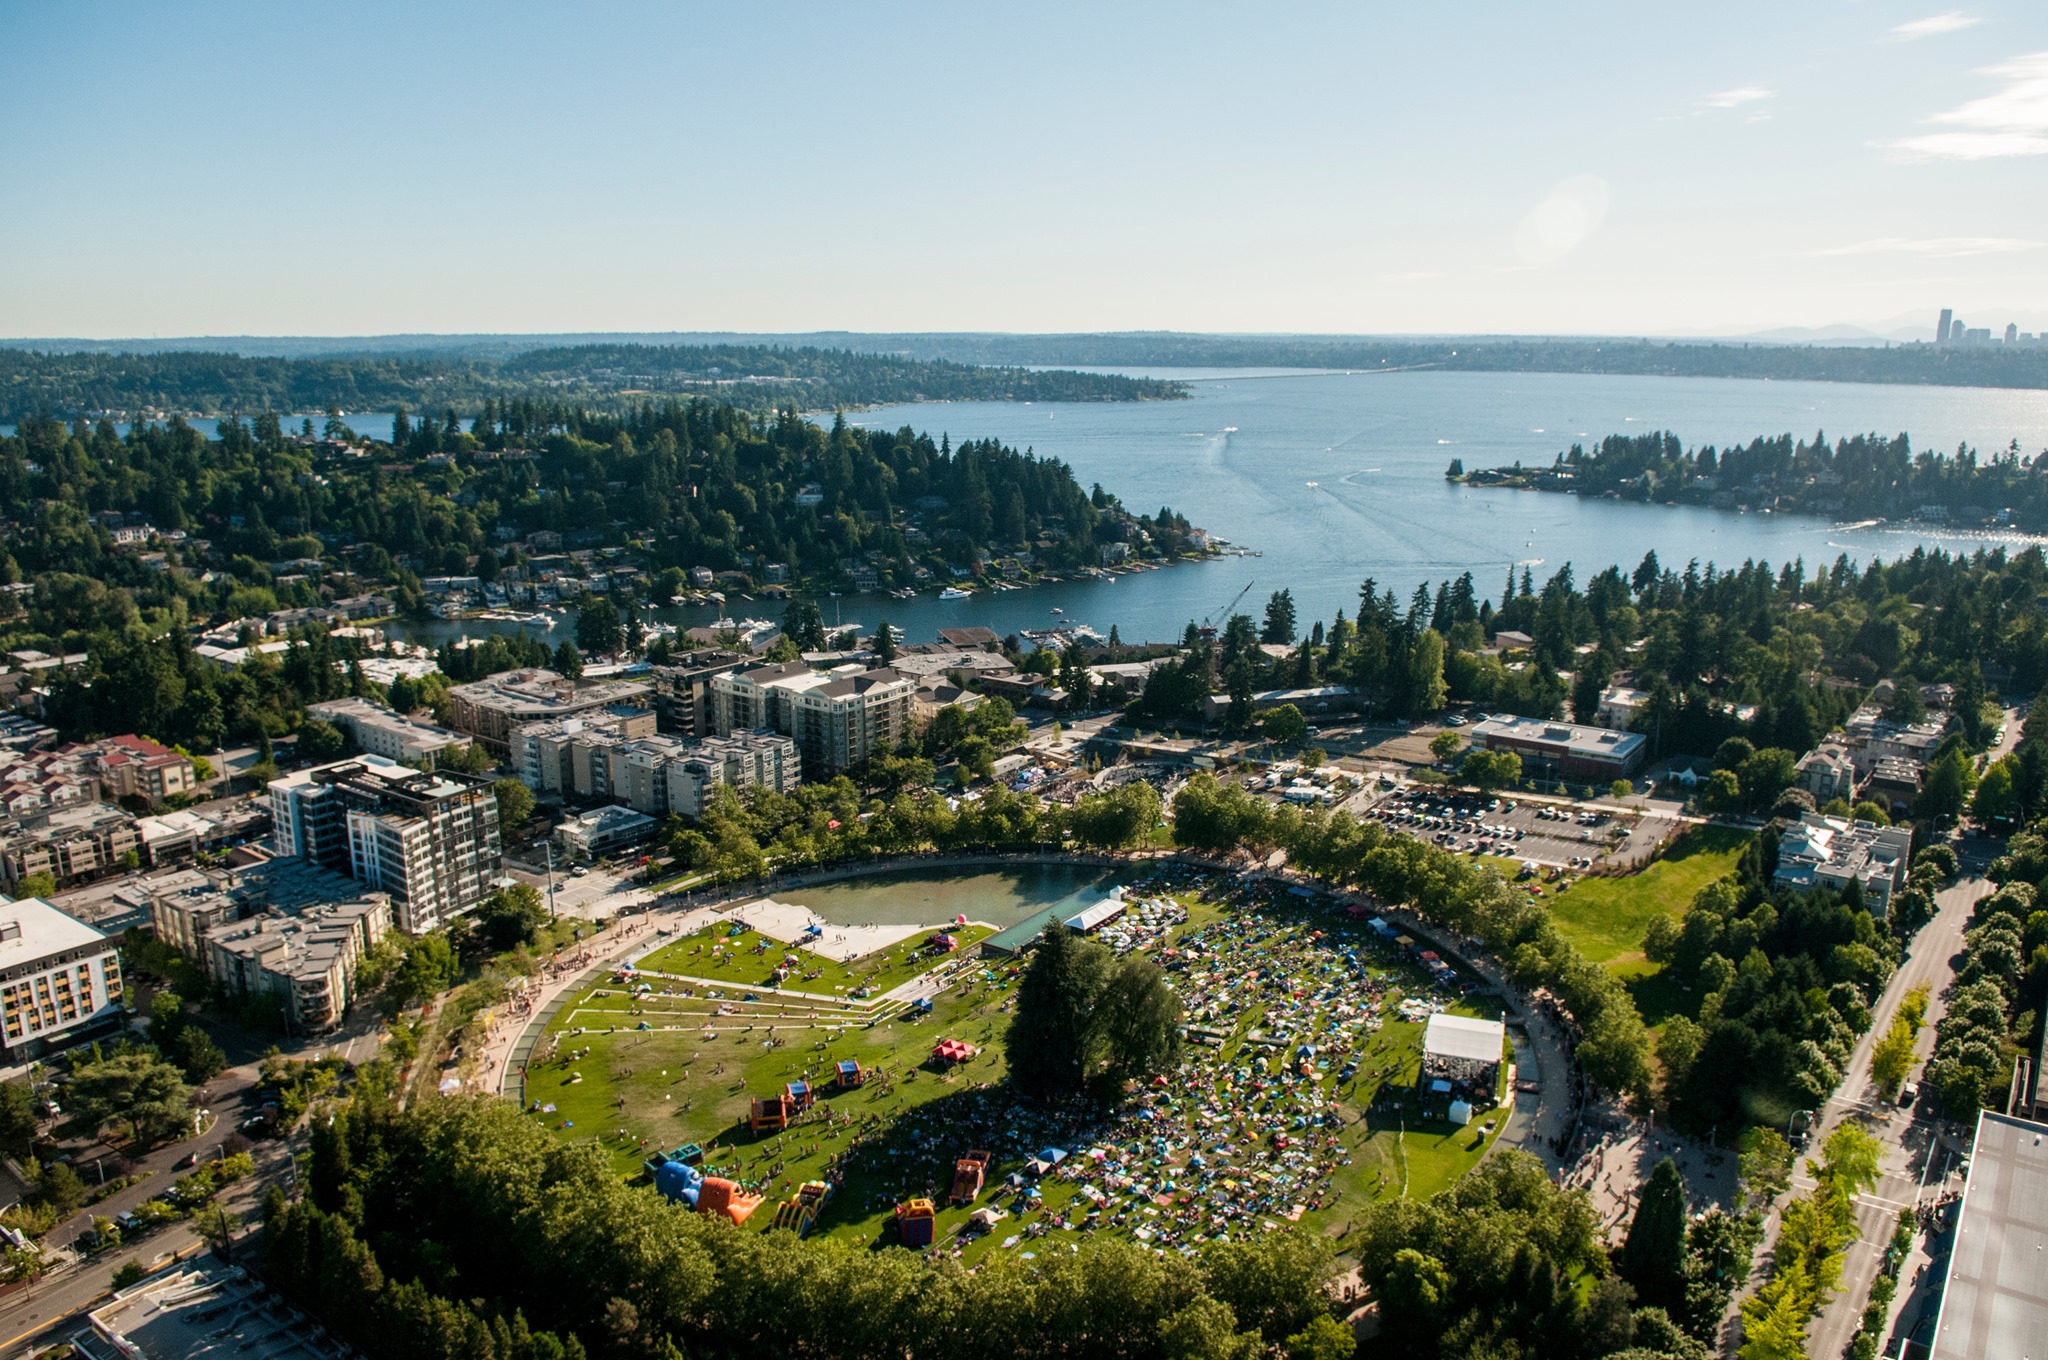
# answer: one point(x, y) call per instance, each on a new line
point(610, 377)
point(1863, 476)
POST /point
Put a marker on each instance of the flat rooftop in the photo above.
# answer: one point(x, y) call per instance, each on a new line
point(203, 1313)
point(540, 691)
point(1464, 1038)
point(1995, 1304)
point(43, 931)
point(1596, 743)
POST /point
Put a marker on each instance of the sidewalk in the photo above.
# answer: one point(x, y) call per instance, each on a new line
point(559, 979)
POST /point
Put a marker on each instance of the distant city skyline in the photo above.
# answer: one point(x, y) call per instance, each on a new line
point(1950, 329)
point(228, 169)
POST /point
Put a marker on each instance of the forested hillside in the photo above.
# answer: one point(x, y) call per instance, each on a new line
point(682, 485)
point(1922, 364)
point(603, 377)
point(1857, 477)
point(932, 354)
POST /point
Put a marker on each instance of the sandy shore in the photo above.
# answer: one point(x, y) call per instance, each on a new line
point(788, 922)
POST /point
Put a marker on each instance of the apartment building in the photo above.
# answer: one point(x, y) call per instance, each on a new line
point(491, 710)
point(682, 690)
point(744, 760)
point(381, 731)
point(60, 980)
point(1828, 773)
point(1871, 737)
point(136, 767)
point(761, 697)
point(306, 962)
point(837, 718)
point(71, 844)
point(569, 757)
point(1833, 852)
point(843, 722)
point(428, 840)
point(182, 905)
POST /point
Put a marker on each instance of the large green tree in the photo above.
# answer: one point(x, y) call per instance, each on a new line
point(1653, 1257)
point(511, 916)
point(1051, 1035)
point(137, 1088)
point(515, 803)
point(17, 1119)
point(599, 630)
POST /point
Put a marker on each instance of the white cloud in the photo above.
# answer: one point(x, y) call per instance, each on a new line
point(1934, 25)
point(1933, 247)
point(1410, 276)
point(1568, 214)
point(2011, 122)
point(1737, 97)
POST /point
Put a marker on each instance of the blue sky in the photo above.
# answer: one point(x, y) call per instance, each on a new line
point(212, 168)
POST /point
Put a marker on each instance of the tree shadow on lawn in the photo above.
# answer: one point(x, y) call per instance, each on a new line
point(1659, 996)
point(913, 1154)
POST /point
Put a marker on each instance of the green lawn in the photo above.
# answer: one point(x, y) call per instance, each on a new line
point(743, 961)
point(1605, 917)
point(689, 1076)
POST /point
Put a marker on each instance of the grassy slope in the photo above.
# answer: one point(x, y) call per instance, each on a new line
point(665, 1085)
point(885, 968)
point(1606, 917)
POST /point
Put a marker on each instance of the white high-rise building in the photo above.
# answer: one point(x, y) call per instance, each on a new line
point(429, 841)
point(60, 980)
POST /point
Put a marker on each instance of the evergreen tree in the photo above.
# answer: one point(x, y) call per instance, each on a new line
point(1653, 1257)
point(1280, 623)
point(599, 630)
point(1049, 1040)
point(1136, 1025)
point(803, 623)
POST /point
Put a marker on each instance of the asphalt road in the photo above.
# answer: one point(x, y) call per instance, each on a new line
point(1905, 1138)
point(52, 1309)
point(231, 1098)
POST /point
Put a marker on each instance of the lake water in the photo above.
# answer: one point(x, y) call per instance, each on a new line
point(917, 897)
point(1335, 477)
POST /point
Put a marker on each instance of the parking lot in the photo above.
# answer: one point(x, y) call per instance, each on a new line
point(590, 893)
point(1480, 824)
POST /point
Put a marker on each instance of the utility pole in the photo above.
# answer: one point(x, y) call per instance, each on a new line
point(550, 848)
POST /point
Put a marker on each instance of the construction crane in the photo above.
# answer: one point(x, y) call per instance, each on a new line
point(1208, 625)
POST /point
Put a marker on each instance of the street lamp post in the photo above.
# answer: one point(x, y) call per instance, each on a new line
point(550, 848)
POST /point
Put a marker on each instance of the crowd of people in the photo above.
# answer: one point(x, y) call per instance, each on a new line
point(1290, 1002)
point(1304, 1015)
